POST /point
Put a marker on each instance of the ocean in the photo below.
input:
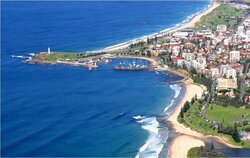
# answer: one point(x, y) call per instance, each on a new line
point(56, 110)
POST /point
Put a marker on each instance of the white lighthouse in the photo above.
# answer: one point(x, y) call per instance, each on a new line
point(49, 50)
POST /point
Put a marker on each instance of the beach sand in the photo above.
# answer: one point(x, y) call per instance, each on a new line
point(189, 24)
point(197, 18)
point(186, 138)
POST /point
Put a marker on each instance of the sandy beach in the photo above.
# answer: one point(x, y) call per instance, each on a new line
point(186, 138)
point(189, 24)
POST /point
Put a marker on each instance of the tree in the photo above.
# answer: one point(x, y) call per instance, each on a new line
point(235, 133)
point(212, 146)
point(186, 106)
point(192, 100)
point(182, 113)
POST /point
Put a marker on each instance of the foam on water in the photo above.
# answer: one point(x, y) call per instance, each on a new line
point(155, 142)
point(177, 89)
point(171, 103)
point(19, 56)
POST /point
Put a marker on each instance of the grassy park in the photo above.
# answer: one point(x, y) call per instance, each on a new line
point(226, 115)
point(224, 14)
point(195, 122)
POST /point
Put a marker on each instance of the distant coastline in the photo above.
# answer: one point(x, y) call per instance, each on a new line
point(189, 22)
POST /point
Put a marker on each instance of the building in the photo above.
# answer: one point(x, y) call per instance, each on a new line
point(221, 28)
point(176, 50)
point(201, 63)
point(231, 73)
point(215, 72)
point(204, 32)
point(247, 21)
point(223, 69)
point(226, 84)
point(180, 62)
point(240, 30)
point(189, 56)
point(49, 50)
point(248, 33)
point(181, 34)
point(234, 56)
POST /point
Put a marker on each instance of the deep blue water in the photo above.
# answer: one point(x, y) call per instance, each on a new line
point(55, 110)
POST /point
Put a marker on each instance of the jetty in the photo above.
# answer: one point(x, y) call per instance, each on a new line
point(123, 68)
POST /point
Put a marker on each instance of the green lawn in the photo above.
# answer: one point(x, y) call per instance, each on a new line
point(61, 56)
point(193, 152)
point(227, 115)
point(217, 17)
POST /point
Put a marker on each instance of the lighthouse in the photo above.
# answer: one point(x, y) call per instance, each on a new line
point(49, 50)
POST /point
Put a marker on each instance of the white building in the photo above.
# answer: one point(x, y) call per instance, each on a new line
point(240, 30)
point(180, 62)
point(189, 56)
point(223, 69)
point(194, 64)
point(48, 50)
point(176, 50)
point(248, 33)
point(231, 73)
point(234, 56)
point(204, 32)
point(181, 34)
point(201, 63)
point(221, 28)
point(247, 21)
point(215, 72)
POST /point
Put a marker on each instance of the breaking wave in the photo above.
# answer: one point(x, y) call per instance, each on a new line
point(155, 141)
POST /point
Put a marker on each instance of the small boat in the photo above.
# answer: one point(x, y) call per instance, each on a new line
point(94, 65)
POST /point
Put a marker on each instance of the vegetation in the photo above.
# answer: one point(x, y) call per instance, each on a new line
point(198, 78)
point(69, 56)
point(204, 152)
point(223, 15)
point(164, 40)
point(227, 116)
point(184, 109)
point(192, 119)
point(227, 130)
point(61, 56)
point(201, 79)
point(226, 101)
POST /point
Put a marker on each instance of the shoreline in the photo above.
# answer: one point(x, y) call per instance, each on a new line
point(184, 137)
point(189, 24)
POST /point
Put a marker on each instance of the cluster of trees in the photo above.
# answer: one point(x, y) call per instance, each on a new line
point(143, 43)
point(184, 109)
point(199, 78)
point(226, 101)
point(84, 55)
point(165, 57)
point(202, 151)
point(233, 131)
